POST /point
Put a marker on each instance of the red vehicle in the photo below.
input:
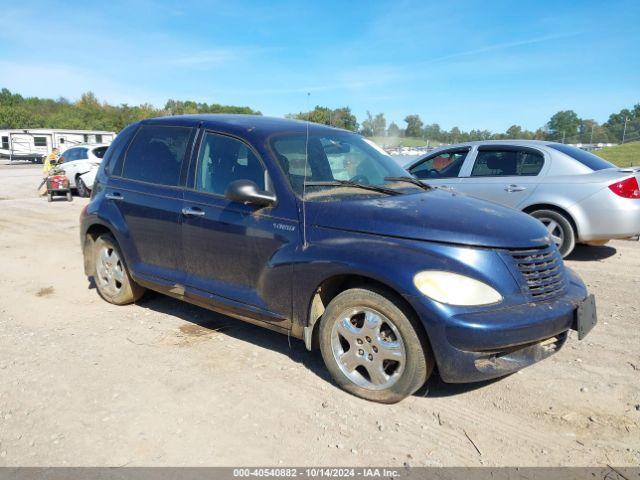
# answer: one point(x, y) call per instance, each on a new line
point(58, 184)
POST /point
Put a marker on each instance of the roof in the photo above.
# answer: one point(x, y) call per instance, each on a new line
point(244, 124)
point(501, 142)
point(87, 145)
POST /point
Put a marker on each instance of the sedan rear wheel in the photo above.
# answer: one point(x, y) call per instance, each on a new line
point(559, 228)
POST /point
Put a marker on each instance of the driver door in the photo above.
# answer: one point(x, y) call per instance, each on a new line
point(441, 169)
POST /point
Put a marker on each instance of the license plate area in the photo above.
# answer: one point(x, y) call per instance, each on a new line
point(586, 317)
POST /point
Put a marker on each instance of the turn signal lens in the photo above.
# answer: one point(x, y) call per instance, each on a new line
point(627, 188)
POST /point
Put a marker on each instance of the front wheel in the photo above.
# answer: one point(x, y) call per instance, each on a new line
point(112, 278)
point(559, 228)
point(373, 347)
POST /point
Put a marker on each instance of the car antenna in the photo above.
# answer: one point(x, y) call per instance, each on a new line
point(304, 179)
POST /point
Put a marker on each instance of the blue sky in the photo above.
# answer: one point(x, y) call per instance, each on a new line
point(471, 64)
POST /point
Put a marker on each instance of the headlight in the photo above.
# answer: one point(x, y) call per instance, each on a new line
point(454, 289)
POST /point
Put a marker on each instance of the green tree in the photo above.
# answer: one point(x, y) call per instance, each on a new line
point(614, 126)
point(379, 125)
point(563, 126)
point(367, 126)
point(339, 117)
point(414, 126)
point(393, 130)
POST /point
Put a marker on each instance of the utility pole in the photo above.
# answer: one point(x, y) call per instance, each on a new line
point(591, 141)
point(563, 136)
point(624, 131)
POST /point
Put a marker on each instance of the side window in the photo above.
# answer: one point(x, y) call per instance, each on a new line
point(82, 154)
point(5, 143)
point(442, 165)
point(506, 163)
point(114, 155)
point(223, 160)
point(155, 155)
point(70, 155)
point(39, 141)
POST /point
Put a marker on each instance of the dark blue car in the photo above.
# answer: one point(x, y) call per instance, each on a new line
point(314, 232)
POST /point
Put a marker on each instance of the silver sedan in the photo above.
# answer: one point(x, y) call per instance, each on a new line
point(580, 197)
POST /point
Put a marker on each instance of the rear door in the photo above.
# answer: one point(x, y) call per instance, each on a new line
point(503, 174)
point(441, 169)
point(147, 191)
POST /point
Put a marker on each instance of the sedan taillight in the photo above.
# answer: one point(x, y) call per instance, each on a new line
point(626, 188)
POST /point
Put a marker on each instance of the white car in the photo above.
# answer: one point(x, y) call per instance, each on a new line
point(80, 160)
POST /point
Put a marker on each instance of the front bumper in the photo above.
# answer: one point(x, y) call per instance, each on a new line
point(494, 342)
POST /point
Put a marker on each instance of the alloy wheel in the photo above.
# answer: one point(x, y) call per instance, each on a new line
point(556, 232)
point(110, 271)
point(368, 348)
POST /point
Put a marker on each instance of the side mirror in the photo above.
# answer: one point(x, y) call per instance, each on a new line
point(246, 191)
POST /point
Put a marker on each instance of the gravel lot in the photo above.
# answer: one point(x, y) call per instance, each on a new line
point(83, 382)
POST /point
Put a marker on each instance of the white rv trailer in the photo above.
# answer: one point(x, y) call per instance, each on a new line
point(33, 143)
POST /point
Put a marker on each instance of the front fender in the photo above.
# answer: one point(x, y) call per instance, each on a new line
point(392, 262)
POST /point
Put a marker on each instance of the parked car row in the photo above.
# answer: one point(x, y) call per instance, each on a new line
point(315, 232)
point(578, 196)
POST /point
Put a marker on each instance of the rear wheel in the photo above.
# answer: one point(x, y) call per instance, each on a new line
point(112, 278)
point(83, 190)
point(372, 347)
point(559, 228)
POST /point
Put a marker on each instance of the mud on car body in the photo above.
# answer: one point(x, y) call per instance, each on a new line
point(314, 232)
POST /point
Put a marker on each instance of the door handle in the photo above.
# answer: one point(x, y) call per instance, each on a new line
point(114, 196)
point(514, 188)
point(192, 212)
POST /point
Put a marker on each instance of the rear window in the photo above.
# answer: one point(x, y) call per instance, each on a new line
point(588, 159)
point(99, 152)
point(155, 155)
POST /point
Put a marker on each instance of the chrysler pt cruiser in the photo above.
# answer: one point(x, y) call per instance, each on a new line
point(315, 232)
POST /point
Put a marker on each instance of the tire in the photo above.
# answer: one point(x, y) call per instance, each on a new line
point(113, 282)
point(49, 197)
point(69, 196)
point(560, 229)
point(83, 191)
point(370, 324)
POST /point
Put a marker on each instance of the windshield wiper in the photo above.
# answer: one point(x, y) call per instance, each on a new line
point(347, 183)
point(411, 180)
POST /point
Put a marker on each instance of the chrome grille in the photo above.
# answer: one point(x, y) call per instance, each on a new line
point(542, 271)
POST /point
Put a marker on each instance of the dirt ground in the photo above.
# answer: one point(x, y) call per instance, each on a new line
point(85, 383)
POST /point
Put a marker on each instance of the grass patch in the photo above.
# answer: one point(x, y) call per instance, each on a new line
point(625, 155)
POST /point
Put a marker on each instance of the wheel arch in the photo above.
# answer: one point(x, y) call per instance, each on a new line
point(549, 206)
point(88, 243)
point(332, 286)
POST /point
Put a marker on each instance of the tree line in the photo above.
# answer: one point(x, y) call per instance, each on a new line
point(564, 126)
point(88, 113)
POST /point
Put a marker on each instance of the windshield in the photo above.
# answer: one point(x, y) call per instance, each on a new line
point(586, 158)
point(339, 156)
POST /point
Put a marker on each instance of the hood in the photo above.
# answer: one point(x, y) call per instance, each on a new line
point(436, 215)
